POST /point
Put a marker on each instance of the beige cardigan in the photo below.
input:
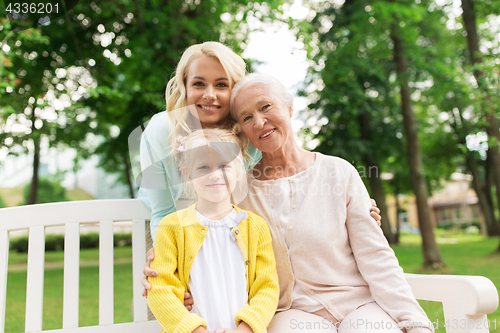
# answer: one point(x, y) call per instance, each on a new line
point(339, 255)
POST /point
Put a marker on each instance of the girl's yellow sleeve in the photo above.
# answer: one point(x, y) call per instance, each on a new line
point(264, 292)
point(166, 296)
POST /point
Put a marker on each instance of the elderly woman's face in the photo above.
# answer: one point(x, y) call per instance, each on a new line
point(263, 117)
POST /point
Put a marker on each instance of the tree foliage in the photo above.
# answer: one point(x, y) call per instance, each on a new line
point(90, 77)
point(49, 190)
point(353, 77)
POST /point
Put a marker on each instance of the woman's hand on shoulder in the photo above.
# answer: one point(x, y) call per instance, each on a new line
point(375, 213)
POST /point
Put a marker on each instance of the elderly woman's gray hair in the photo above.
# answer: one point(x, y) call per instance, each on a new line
point(270, 83)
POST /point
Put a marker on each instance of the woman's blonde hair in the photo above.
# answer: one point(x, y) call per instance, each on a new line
point(182, 123)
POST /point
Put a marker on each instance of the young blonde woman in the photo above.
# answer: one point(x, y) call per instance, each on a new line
point(198, 96)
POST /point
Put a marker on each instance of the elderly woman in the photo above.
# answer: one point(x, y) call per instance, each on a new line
point(333, 262)
point(336, 270)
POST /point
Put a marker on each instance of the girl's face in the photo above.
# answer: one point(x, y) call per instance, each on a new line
point(213, 177)
point(207, 91)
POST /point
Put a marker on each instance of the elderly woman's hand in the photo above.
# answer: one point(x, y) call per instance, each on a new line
point(374, 212)
point(148, 271)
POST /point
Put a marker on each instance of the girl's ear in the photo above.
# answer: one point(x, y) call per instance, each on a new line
point(185, 175)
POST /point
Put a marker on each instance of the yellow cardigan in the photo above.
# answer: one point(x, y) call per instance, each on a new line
point(178, 238)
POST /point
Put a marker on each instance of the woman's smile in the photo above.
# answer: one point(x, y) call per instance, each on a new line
point(266, 134)
point(215, 185)
point(209, 108)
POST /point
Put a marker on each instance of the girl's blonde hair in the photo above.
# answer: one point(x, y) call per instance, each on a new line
point(182, 123)
point(206, 138)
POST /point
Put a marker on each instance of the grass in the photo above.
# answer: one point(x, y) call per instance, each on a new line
point(465, 255)
point(53, 291)
point(124, 252)
point(13, 196)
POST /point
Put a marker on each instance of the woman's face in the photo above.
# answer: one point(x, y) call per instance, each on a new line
point(207, 90)
point(263, 118)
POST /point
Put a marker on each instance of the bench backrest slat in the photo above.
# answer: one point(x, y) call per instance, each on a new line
point(138, 242)
point(34, 281)
point(4, 262)
point(71, 275)
point(106, 273)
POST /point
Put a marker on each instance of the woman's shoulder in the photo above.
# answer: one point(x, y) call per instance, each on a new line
point(334, 161)
point(159, 121)
point(156, 133)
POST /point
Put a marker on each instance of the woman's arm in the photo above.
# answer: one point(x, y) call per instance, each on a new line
point(160, 179)
point(376, 260)
point(160, 176)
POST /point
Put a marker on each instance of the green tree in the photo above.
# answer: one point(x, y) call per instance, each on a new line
point(373, 59)
point(354, 103)
point(489, 100)
point(2, 203)
point(110, 62)
point(487, 81)
point(39, 95)
point(49, 190)
point(432, 255)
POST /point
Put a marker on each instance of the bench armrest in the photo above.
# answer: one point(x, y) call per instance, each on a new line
point(466, 299)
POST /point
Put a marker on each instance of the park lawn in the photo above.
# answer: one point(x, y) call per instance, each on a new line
point(53, 290)
point(88, 255)
point(466, 255)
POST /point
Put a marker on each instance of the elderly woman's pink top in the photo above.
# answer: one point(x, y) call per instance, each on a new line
point(329, 246)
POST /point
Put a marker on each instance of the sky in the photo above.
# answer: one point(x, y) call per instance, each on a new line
point(281, 55)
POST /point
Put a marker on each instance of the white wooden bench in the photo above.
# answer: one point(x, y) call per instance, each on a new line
point(466, 299)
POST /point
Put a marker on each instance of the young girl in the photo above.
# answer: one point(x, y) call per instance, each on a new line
point(219, 253)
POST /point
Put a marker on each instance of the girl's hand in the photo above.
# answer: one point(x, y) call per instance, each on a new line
point(374, 212)
point(200, 329)
point(242, 328)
